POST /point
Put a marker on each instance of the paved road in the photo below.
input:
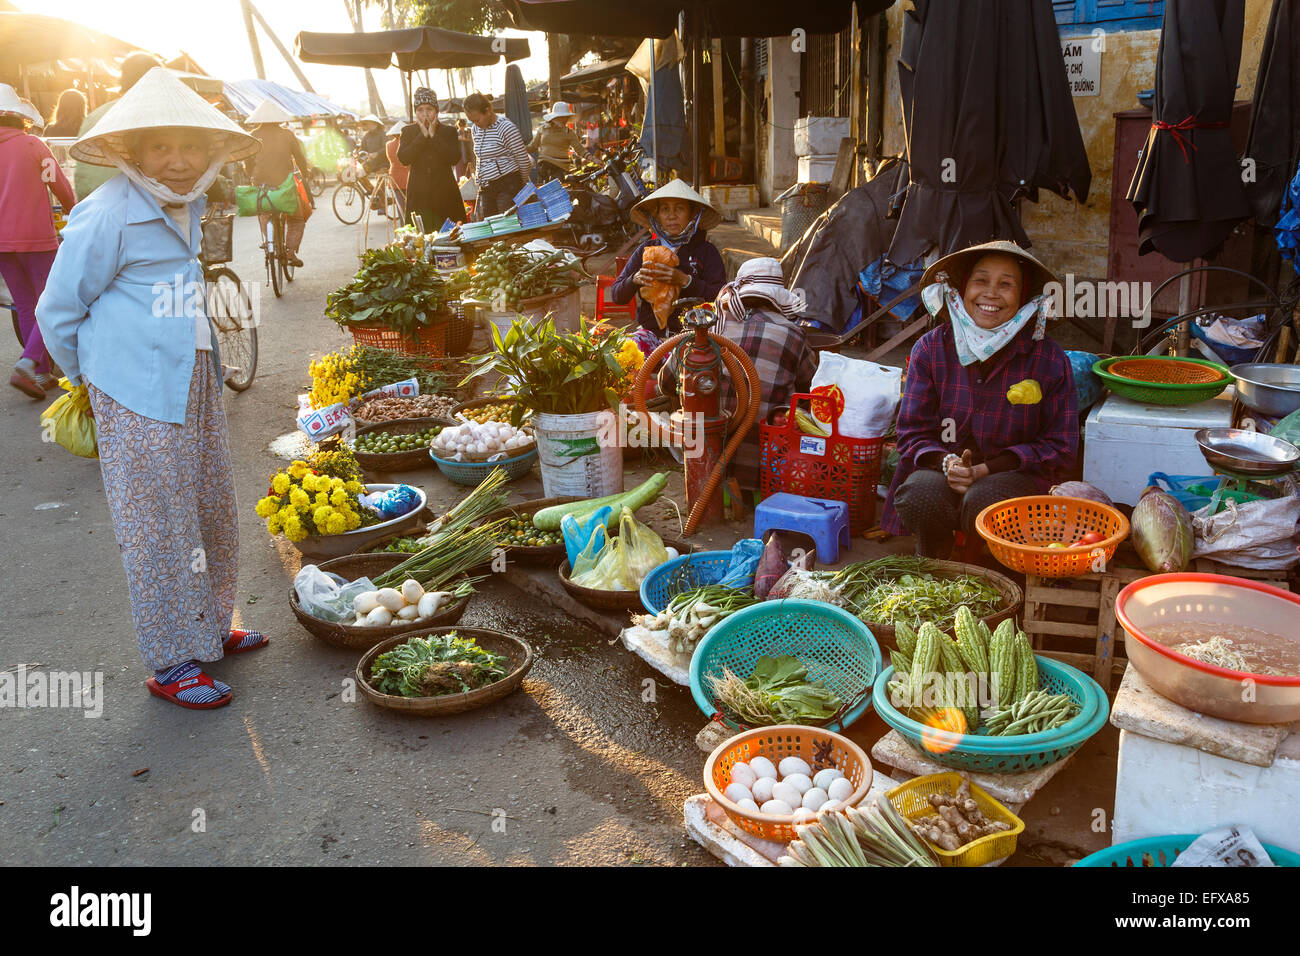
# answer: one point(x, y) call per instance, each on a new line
point(577, 769)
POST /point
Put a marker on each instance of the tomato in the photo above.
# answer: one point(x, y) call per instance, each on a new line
point(1092, 537)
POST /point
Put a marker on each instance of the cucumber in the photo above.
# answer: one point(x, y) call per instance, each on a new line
point(548, 519)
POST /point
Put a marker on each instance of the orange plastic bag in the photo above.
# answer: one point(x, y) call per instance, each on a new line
point(660, 295)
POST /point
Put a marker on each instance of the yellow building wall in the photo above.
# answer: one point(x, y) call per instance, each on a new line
point(1068, 236)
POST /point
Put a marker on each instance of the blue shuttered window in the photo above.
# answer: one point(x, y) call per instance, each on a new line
point(1075, 17)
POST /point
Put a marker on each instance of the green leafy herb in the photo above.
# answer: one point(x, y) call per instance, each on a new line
point(777, 692)
point(434, 666)
point(388, 290)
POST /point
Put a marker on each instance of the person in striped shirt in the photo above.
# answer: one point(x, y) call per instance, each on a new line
point(502, 158)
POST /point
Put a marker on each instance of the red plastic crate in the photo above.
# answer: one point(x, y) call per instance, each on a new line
point(837, 468)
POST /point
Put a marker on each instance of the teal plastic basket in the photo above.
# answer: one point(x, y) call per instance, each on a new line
point(682, 574)
point(1163, 850)
point(981, 753)
point(472, 472)
point(836, 647)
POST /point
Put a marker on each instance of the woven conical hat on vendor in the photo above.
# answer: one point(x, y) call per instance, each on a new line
point(643, 212)
point(268, 112)
point(984, 316)
point(11, 104)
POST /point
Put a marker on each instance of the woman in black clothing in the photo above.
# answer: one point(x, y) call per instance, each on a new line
point(431, 150)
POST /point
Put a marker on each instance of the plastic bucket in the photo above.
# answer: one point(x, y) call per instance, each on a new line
point(574, 458)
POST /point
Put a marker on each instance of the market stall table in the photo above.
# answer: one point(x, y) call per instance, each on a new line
point(1183, 772)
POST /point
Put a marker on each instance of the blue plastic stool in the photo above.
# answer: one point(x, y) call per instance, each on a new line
point(826, 522)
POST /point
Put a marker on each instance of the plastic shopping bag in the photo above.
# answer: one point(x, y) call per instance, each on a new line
point(71, 422)
point(744, 562)
point(327, 596)
point(1257, 534)
point(871, 393)
point(624, 561)
point(578, 536)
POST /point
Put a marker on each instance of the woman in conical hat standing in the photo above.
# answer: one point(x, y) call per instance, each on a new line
point(989, 410)
point(124, 313)
point(679, 218)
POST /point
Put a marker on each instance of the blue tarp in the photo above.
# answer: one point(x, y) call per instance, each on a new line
point(247, 95)
point(1288, 223)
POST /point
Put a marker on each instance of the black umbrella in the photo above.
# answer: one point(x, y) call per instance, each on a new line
point(1274, 142)
point(418, 48)
point(658, 18)
point(988, 119)
point(1187, 188)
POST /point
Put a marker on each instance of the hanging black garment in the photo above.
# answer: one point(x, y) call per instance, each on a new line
point(1274, 142)
point(1187, 188)
point(988, 118)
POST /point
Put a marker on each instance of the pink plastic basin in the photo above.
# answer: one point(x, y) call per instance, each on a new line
point(1205, 688)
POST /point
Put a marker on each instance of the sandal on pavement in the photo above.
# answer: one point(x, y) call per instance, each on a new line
point(241, 641)
point(186, 685)
point(24, 379)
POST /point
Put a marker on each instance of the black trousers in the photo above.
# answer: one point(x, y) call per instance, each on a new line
point(498, 195)
point(932, 511)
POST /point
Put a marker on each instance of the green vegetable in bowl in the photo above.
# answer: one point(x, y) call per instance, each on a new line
point(434, 666)
point(777, 692)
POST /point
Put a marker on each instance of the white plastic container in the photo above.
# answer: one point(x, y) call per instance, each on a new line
point(816, 169)
point(579, 454)
point(1125, 441)
point(818, 135)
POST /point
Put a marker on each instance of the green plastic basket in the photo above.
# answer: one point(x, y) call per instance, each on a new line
point(1156, 393)
point(1163, 850)
point(836, 647)
point(981, 753)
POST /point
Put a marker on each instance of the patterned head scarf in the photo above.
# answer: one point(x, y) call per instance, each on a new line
point(423, 96)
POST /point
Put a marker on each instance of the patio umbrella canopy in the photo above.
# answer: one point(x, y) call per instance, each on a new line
point(988, 119)
point(418, 48)
point(1187, 188)
point(32, 38)
point(516, 102)
point(658, 18)
point(1274, 142)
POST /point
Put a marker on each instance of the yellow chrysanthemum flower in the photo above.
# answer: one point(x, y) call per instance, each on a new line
point(297, 470)
point(353, 487)
point(353, 520)
point(267, 506)
point(299, 498)
point(274, 525)
point(295, 533)
point(338, 497)
point(336, 524)
point(280, 483)
point(308, 482)
point(322, 515)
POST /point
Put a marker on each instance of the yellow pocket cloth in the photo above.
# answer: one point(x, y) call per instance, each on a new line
point(1026, 392)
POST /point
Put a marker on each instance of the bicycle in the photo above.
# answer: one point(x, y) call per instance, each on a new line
point(230, 306)
point(315, 180)
point(356, 193)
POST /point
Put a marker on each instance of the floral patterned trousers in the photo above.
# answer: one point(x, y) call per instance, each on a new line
point(171, 492)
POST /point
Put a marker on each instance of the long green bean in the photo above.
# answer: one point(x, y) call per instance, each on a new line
point(901, 588)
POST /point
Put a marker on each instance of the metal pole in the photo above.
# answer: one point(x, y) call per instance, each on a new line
point(696, 41)
point(654, 110)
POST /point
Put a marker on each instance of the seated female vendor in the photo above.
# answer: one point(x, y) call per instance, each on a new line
point(966, 439)
point(678, 217)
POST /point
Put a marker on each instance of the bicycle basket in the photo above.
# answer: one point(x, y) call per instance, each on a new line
point(218, 240)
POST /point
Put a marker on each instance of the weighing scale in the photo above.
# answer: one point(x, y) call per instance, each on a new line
point(1252, 452)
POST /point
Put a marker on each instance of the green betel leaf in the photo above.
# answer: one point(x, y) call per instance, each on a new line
point(581, 369)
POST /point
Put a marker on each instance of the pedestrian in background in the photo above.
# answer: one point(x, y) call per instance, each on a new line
point(500, 155)
point(69, 114)
point(86, 177)
point(431, 150)
point(152, 370)
point(273, 168)
point(466, 165)
point(28, 238)
point(398, 171)
point(554, 141)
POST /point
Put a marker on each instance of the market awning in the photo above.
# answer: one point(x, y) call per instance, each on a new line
point(32, 38)
point(604, 70)
point(658, 18)
point(418, 48)
point(247, 95)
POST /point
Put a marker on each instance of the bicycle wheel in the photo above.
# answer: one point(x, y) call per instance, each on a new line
point(350, 203)
point(272, 261)
point(316, 180)
point(282, 247)
point(231, 309)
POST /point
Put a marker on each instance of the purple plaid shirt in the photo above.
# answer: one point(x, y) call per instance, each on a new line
point(1045, 436)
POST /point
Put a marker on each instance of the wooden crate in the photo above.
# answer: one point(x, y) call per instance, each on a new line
point(1073, 619)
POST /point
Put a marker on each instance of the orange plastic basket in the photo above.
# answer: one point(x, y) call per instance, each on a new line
point(1166, 371)
point(775, 743)
point(1018, 531)
point(429, 341)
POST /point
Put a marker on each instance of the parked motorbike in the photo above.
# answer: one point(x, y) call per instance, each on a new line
point(604, 193)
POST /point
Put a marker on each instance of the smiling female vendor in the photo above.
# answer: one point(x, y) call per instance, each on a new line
point(966, 438)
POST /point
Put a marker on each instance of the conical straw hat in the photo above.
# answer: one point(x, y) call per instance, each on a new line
point(956, 266)
point(268, 112)
point(11, 104)
point(159, 100)
point(676, 189)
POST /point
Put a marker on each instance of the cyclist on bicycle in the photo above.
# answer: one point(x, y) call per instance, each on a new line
point(273, 167)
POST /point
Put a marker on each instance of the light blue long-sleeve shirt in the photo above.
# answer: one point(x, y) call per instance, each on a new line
point(119, 307)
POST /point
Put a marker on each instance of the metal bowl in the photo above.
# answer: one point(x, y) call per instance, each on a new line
point(1247, 452)
point(1273, 390)
point(1205, 688)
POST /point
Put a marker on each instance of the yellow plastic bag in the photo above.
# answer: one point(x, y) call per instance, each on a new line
point(70, 421)
point(624, 561)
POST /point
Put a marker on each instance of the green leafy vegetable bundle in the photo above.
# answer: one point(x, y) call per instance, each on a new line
point(777, 692)
point(388, 290)
point(434, 666)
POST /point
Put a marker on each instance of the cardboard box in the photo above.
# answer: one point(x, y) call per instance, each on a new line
point(816, 169)
point(729, 200)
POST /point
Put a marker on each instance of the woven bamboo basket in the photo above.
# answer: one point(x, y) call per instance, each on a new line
point(402, 460)
point(519, 655)
point(351, 567)
point(614, 600)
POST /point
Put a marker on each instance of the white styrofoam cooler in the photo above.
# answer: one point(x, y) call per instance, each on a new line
point(816, 169)
point(1164, 788)
point(1124, 442)
point(729, 200)
point(818, 135)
